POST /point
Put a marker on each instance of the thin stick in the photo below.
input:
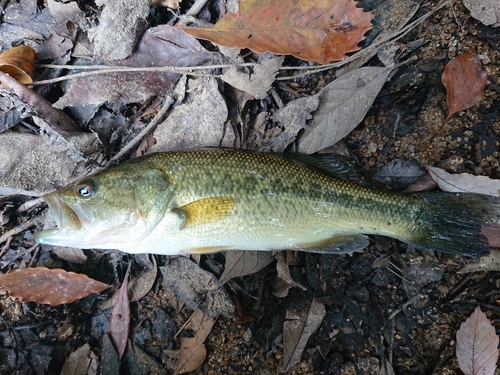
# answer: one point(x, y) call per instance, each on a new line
point(20, 228)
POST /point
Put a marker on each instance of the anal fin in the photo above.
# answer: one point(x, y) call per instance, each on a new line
point(340, 244)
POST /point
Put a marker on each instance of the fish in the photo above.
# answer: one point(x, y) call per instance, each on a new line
point(204, 201)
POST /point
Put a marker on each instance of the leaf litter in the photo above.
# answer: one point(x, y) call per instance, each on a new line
point(314, 120)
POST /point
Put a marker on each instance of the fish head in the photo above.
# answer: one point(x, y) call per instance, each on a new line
point(114, 209)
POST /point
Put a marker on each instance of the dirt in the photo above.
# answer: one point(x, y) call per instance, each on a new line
point(359, 290)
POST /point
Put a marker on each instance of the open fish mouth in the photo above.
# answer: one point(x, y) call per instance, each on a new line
point(67, 220)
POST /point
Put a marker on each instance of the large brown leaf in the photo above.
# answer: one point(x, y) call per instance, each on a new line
point(465, 80)
point(49, 286)
point(320, 31)
point(477, 345)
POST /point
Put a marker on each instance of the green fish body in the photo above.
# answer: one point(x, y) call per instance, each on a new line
point(212, 200)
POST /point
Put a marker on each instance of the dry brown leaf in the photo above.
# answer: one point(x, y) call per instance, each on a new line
point(302, 321)
point(242, 263)
point(53, 48)
point(119, 323)
point(159, 46)
point(492, 234)
point(193, 352)
point(258, 82)
point(49, 286)
point(342, 106)
point(197, 122)
point(465, 80)
point(464, 182)
point(284, 281)
point(78, 362)
point(197, 288)
point(477, 345)
point(321, 31)
point(19, 63)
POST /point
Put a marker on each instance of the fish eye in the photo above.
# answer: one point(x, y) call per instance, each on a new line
point(86, 188)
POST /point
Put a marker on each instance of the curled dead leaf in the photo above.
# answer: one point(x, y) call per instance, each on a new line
point(19, 63)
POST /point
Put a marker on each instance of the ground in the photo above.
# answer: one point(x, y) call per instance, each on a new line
point(388, 309)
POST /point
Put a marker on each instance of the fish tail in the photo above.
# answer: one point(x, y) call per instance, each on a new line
point(452, 222)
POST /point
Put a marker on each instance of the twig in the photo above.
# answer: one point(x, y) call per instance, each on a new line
point(103, 69)
point(6, 246)
point(409, 302)
point(196, 7)
point(29, 204)
point(20, 228)
point(368, 50)
point(392, 327)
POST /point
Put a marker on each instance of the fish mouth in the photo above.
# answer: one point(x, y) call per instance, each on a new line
point(67, 221)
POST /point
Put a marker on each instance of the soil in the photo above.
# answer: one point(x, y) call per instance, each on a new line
point(358, 335)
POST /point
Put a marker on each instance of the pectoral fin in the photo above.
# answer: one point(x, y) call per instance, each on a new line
point(206, 210)
point(340, 244)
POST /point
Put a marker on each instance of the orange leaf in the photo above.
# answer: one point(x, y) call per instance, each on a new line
point(19, 63)
point(465, 80)
point(321, 31)
point(49, 286)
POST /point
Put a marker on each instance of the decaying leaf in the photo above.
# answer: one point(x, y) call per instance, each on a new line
point(400, 173)
point(489, 262)
point(49, 161)
point(342, 106)
point(53, 48)
point(121, 24)
point(465, 80)
point(242, 263)
point(78, 362)
point(292, 118)
point(70, 254)
point(49, 286)
point(302, 321)
point(486, 11)
point(464, 182)
point(492, 234)
point(284, 281)
point(119, 323)
point(197, 288)
point(321, 31)
point(19, 63)
point(193, 352)
point(159, 46)
point(477, 345)
point(258, 82)
point(198, 122)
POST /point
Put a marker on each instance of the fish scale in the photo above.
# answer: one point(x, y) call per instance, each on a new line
point(211, 200)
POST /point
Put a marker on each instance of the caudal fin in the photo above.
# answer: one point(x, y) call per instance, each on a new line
point(452, 222)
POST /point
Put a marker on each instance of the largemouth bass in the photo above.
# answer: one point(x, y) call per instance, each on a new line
point(212, 200)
